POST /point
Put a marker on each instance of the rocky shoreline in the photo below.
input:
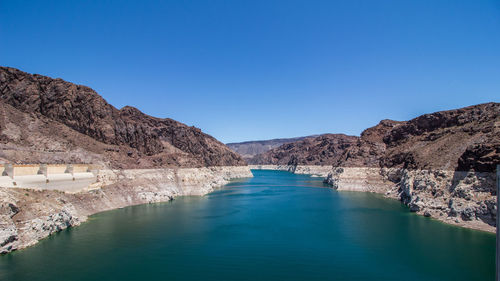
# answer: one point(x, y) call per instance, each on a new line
point(29, 215)
point(458, 198)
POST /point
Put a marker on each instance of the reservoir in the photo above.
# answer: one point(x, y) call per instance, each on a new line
point(275, 226)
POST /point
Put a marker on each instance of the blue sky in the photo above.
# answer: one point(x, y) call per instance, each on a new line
point(248, 70)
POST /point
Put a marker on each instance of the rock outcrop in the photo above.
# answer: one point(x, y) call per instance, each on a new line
point(441, 164)
point(141, 159)
point(466, 139)
point(53, 121)
point(249, 149)
point(322, 150)
point(456, 197)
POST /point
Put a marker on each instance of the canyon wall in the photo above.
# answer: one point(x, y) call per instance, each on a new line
point(28, 215)
point(140, 159)
point(465, 139)
point(249, 149)
point(464, 198)
point(46, 120)
point(322, 150)
point(460, 198)
point(441, 165)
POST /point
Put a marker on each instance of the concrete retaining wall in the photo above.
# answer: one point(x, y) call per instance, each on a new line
point(57, 169)
point(26, 170)
point(72, 177)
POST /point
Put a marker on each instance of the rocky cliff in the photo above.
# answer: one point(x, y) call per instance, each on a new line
point(249, 149)
point(28, 215)
point(141, 159)
point(440, 164)
point(53, 121)
point(466, 139)
point(322, 150)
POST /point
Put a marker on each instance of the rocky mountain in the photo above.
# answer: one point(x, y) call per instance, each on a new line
point(463, 139)
point(46, 120)
point(322, 150)
point(466, 139)
point(249, 149)
point(441, 165)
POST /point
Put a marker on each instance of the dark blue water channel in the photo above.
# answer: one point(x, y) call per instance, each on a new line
point(275, 226)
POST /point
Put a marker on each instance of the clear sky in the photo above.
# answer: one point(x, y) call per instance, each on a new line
point(248, 70)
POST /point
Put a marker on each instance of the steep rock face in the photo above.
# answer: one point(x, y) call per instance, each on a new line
point(249, 149)
point(76, 106)
point(465, 139)
point(450, 195)
point(28, 215)
point(333, 149)
point(126, 137)
point(28, 138)
point(480, 157)
point(440, 164)
point(369, 148)
point(455, 197)
point(323, 150)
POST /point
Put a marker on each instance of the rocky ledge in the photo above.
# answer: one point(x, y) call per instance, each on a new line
point(440, 164)
point(28, 215)
point(454, 197)
point(47, 120)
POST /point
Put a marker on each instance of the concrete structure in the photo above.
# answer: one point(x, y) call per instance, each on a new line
point(64, 177)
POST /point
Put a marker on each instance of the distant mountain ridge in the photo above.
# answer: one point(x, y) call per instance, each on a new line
point(322, 150)
point(465, 139)
point(46, 120)
point(248, 149)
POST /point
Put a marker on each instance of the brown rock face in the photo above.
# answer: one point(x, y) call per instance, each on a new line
point(323, 150)
point(249, 149)
point(480, 157)
point(369, 148)
point(466, 139)
point(440, 164)
point(91, 130)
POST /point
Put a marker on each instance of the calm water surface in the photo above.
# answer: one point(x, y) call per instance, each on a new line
point(275, 226)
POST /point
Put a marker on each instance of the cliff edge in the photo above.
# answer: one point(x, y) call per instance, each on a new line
point(441, 165)
point(46, 120)
point(138, 158)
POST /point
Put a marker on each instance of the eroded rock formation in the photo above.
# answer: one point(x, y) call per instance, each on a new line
point(322, 150)
point(28, 215)
point(141, 159)
point(466, 139)
point(53, 121)
point(440, 164)
point(249, 149)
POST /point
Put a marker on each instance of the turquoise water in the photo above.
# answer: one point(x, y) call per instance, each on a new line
point(275, 226)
